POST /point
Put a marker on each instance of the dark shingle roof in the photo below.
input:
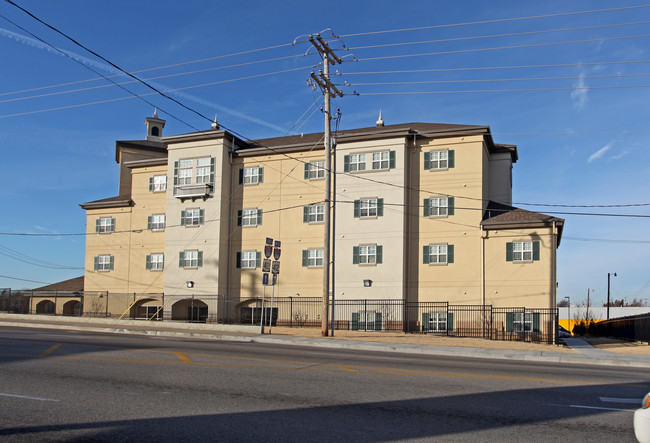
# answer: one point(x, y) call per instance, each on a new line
point(73, 284)
point(500, 216)
point(111, 202)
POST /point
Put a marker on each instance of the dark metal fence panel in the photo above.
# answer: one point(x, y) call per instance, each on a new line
point(634, 327)
point(524, 324)
point(369, 315)
point(13, 301)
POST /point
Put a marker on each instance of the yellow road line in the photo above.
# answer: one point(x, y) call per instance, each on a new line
point(184, 358)
point(51, 349)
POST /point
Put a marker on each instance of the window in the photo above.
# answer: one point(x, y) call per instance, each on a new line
point(249, 217)
point(436, 160)
point(312, 258)
point(192, 217)
point(203, 170)
point(315, 170)
point(367, 255)
point(250, 176)
point(105, 225)
point(155, 262)
point(438, 206)
point(357, 162)
point(438, 254)
point(185, 169)
point(438, 321)
point(522, 251)
point(190, 259)
point(522, 322)
point(366, 321)
point(158, 183)
point(156, 222)
point(313, 214)
point(383, 160)
point(185, 172)
point(104, 263)
point(369, 208)
point(249, 259)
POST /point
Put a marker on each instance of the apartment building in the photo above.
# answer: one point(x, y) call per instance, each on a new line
point(422, 213)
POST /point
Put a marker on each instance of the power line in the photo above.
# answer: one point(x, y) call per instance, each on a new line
point(605, 240)
point(576, 88)
point(22, 279)
point(13, 254)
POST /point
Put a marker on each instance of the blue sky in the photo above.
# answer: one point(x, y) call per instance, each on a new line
point(570, 90)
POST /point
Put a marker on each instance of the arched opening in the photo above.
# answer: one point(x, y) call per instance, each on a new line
point(155, 131)
point(148, 308)
point(72, 307)
point(45, 307)
point(191, 310)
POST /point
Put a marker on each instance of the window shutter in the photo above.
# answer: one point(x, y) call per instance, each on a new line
point(450, 321)
point(380, 207)
point(355, 255)
point(306, 171)
point(426, 257)
point(305, 257)
point(391, 162)
point(238, 262)
point(260, 175)
point(305, 214)
point(380, 255)
point(182, 218)
point(112, 225)
point(111, 263)
point(355, 321)
point(201, 216)
point(450, 253)
point(357, 208)
point(239, 217)
point(241, 176)
point(258, 259)
point(510, 322)
point(211, 171)
point(427, 161)
point(536, 322)
point(427, 207)
point(509, 253)
point(96, 267)
point(97, 225)
point(149, 222)
point(199, 259)
point(147, 265)
point(181, 259)
point(535, 250)
point(451, 159)
point(425, 321)
point(150, 184)
point(259, 217)
point(175, 173)
point(450, 205)
point(377, 321)
point(346, 163)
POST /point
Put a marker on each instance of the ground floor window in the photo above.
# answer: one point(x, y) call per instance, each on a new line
point(438, 321)
point(366, 321)
point(522, 322)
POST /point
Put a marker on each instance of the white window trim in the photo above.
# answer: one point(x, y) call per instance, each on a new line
point(521, 253)
point(359, 165)
point(436, 321)
point(316, 211)
point(313, 258)
point(156, 226)
point(439, 209)
point(249, 218)
point(252, 174)
point(438, 246)
point(381, 161)
point(522, 321)
point(248, 260)
point(370, 205)
point(368, 255)
point(317, 170)
point(191, 259)
point(161, 186)
point(104, 227)
point(159, 264)
point(103, 263)
point(439, 160)
point(192, 217)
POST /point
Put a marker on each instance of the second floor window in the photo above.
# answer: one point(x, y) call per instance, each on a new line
point(437, 160)
point(249, 259)
point(249, 217)
point(312, 258)
point(522, 251)
point(105, 225)
point(185, 172)
point(438, 254)
point(158, 183)
point(357, 162)
point(190, 259)
point(313, 214)
point(156, 222)
point(155, 262)
point(192, 217)
point(250, 176)
point(369, 208)
point(438, 206)
point(104, 263)
point(367, 255)
point(315, 170)
point(203, 170)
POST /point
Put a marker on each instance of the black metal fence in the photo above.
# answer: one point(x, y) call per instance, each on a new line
point(634, 327)
point(13, 301)
point(440, 318)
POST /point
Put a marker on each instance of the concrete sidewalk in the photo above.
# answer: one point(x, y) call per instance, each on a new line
point(583, 353)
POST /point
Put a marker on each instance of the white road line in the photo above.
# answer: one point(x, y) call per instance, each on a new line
point(632, 401)
point(26, 397)
point(596, 407)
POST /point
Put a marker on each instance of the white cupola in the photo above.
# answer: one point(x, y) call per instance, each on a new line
point(155, 126)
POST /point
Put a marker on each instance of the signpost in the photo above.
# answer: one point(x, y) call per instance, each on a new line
point(270, 248)
point(275, 270)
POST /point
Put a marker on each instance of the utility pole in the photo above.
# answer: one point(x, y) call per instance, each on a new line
point(323, 81)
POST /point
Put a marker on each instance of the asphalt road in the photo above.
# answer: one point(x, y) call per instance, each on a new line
point(75, 386)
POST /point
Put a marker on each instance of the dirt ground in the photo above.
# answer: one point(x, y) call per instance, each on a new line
point(611, 345)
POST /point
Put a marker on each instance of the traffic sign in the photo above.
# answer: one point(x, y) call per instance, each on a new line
point(266, 265)
point(276, 253)
point(269, 241)
point(265, 279)
point(275, 268)
point(278, 243)
point(268, 250)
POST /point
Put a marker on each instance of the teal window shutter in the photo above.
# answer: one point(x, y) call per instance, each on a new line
point(306, 171)
point(111, 263)
point(199, 259)
point(239, 217)
point(201, 216)
point(450, 253)
point(355, 321)
point(509, 253)
point(450, 321)
point(536, 322)
point(258, 259)
point(357, 208)
point(380, 207)
point(147, 265)
point(355, 255)
point(427, 207)
point(425, 321)
point(260, 173)
point(259, 217)
point(175, 173)
point(97, 225)
point(451, 159)
point(450, 205)
point(150, 184)
point(535, 250)
point(427, 161)
point(379, 258)
point(346, 163)
point(377, 321)
point(391, 157)
point(241, 176)
point(181, 259)
point(510, 322)
point(211, 171)
point(112, 225)
point(305, 214)
point(96, 267)
point(149, 222)
point(305, 257)
point(238, 261)
point(426, 257)
point(182, 218)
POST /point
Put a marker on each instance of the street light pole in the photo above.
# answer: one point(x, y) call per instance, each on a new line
point(569, 306)
point(608, 276)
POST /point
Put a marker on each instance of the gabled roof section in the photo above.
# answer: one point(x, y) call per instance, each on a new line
point(500, 216)
point(73, 284)
point(146, 145)
point(120, 201)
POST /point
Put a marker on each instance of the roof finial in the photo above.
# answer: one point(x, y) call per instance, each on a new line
point(214, 124)
point(155, 112)
point(380, 122)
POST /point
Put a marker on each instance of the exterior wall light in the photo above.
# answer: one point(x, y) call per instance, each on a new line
point(367, 283)
point(189, 284)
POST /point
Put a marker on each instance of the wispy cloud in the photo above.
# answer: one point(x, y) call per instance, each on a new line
point(580, 93)
point(622, 154)
point(598, 154)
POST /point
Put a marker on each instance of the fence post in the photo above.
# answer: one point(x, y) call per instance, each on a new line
point(106, 307)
